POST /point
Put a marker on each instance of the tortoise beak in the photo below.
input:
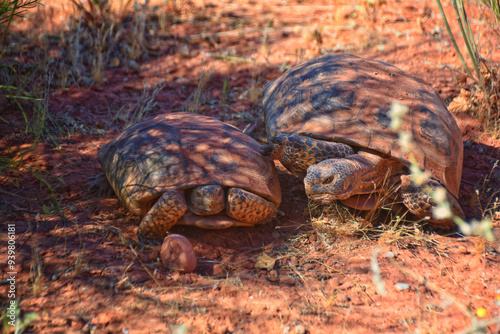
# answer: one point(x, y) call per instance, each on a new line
point(323, 198)
point(320, 193)
point(316, 189)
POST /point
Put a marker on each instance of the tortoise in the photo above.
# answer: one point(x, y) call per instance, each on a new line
point(327, 121)
point(183, 168)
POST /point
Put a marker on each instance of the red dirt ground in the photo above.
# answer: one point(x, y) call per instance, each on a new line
point(85, 273)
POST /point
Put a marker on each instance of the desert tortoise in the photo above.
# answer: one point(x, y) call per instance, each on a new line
point(328, 121)
point(184, 168)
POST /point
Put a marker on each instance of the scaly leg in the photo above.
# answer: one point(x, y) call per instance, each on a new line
point(164, 214)
point(249, 208)
point(298, 152)
point(419, 201)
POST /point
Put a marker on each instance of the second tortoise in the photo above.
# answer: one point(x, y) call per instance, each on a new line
point(328, 122)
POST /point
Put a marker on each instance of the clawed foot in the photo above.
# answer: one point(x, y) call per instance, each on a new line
point(270, 150)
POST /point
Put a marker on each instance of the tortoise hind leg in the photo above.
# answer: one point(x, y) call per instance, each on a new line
point(298, 152)
point(419, 201)
point(249, 208)
point(164, 214)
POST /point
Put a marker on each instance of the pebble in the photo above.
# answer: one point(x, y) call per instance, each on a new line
point(273, 275)
point(300, 329)
point(177, 253)
point(133, 64)
point(402, 286)
point(389, 255)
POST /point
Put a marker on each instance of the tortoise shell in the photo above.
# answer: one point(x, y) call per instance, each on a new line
point(181, 151)
point(347, 98)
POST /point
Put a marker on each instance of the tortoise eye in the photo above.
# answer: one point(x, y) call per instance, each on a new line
point(329, 179)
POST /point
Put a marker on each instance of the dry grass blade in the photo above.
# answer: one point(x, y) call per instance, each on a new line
point(193, 101)
point(130, 115)
point(143, 265)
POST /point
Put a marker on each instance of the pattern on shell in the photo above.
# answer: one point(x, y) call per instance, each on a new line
point(347, 98)
point(181, 151)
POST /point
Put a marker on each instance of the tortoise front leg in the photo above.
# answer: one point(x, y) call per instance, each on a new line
point(164, 214)
point(298, 152)
point(419, 201)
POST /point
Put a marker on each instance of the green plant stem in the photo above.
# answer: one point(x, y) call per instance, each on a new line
point(9, 20)
point(453, 41)
point(467, 35)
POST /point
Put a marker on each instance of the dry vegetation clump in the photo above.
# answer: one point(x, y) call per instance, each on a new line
point(97, 36)
point(384, 226)
point(481, 97)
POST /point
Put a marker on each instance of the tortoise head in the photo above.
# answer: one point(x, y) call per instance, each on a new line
point(340, 179)
point(327, 180)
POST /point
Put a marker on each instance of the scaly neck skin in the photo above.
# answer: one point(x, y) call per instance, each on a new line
point(339, 179)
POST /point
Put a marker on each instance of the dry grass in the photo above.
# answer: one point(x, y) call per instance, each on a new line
point(380, 225)
point(129, 115)
point(36, 269)
point(482, 101)
point(80, 264)
point(195, 99)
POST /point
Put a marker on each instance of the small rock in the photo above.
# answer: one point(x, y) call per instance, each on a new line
point(294, 261)
point(133, 64)
point(272, 275)
point(389, 255)
point(402, 286)
point(177, 253)
point(300, 329)
point(276, 235)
